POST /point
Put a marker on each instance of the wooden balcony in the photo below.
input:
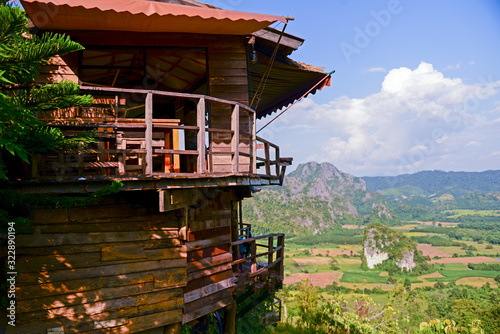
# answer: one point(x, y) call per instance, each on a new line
point(155, 134)
point(262, 263)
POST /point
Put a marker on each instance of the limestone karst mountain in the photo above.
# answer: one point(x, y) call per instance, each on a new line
point(314, 198)
point(383, 243)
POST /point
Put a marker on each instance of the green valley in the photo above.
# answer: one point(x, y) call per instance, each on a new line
point(453, 235)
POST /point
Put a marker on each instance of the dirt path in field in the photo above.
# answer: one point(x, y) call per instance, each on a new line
point(435, 274)
point(431, 251)
point(316, 279)
point(316, 260)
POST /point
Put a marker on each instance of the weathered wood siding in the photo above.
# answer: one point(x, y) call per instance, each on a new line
point(228, 77)
point(118, 267)
point(209, 271)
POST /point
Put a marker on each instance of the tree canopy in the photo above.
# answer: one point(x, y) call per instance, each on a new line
point(21, 54)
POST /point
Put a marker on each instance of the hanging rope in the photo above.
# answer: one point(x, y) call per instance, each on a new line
point(258, 93)
point(281, 113)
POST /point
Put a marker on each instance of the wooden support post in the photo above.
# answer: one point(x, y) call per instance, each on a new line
point(268, 158)
point(235, 233)
point(149, 133)
point(253, 146)
point(175, 145)
point(235, 141)
point(201, 136)
point(281, 255)
point(277, 160)
point(121, 145)
point(240, 204)
point(254, 259)
point(270, 249)
point(116, 108)
point(230, 319)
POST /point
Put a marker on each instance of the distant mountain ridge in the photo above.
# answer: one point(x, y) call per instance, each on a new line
point(435, 184)
point(314, 198)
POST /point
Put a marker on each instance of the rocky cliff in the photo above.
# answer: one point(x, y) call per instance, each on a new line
point(315, 197)
point(383, 243)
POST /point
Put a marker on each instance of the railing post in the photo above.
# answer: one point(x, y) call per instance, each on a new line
point(122, 157)
point(254, 259)
point(235, 141)
point(253, 146)
point(270, 249)
point(149, 133)
point(280, 255)
point(201, 136)
point(268, 158)
point(277, 157)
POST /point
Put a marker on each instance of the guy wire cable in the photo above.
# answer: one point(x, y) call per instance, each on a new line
point(265, 76)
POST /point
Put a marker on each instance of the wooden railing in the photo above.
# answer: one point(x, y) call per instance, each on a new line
point(149, 145)
point(266, 258)
point(274, 315)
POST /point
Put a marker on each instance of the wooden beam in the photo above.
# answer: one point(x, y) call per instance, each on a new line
point(207, 290)
point(149, 133)
point(253, 148)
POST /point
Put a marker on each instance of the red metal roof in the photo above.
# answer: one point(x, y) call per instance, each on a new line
point(142, 16)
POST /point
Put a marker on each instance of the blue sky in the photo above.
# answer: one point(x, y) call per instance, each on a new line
point(417, 84)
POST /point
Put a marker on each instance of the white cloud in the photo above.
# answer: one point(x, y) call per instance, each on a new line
point(420, 119)
point(473, 143)
point(375, 69)
point(453, 67)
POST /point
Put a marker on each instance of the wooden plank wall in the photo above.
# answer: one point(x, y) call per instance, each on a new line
point(228, 78)
point(209, 271)
point(117, 267)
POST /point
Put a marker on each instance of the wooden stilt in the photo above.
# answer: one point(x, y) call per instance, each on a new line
point(230, 319)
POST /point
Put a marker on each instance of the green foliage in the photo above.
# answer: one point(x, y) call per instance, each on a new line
point(492, 266)
point(21, 205)
point(21, 134)
point(338, 236)
point(436, 241)
point(206, 325)
point(341, 315)
point(333, 264)
point(315, 198)
point(392, 242)
point(448, 327)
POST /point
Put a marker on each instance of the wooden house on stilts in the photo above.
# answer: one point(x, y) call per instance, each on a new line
point(173, 83)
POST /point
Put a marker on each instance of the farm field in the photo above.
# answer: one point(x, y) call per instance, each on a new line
point(315, 263)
